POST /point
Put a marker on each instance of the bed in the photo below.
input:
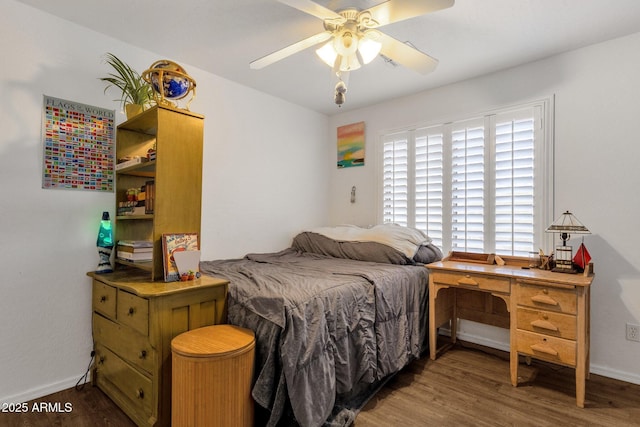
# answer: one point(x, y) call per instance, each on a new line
point(334, 315)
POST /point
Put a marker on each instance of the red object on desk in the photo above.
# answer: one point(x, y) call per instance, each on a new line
point(582, 257)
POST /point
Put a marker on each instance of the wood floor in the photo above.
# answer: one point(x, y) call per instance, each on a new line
point(470, 386)
point(466, 386)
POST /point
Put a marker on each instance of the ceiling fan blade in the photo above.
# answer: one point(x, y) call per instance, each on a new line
point(406, 55)
point(312, 8)
point(290, 50)
point(399, 10)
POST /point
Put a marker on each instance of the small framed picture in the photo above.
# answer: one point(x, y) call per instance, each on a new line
point(351, 145)
point(173, 243)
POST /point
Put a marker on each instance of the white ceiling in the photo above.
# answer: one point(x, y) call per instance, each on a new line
point(472, 38)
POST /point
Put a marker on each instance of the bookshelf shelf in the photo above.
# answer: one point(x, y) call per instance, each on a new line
point(134, 217)
point(147, 266)
point(146, 169)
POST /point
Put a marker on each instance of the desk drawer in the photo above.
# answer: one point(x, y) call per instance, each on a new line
point(548, 298)
point(124, 341)
point(472, 281)
point(133, 311)
point(104, 299)
point(129, 384)
point(552, 349)
point(547, 323)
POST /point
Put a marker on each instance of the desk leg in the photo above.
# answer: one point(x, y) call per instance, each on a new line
point(513, 344)
point(454, 317)
point(441, 310)
point(433, 339)
point(582, 362)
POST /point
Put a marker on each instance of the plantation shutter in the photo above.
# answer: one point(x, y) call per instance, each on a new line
point(474, 185)
point(396, 179)
point(429, 182)
point(468, 186)
point(514, 182)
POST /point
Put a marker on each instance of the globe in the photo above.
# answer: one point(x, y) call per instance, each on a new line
point(169, 80)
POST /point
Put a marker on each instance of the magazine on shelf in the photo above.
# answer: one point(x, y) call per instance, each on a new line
point(172, 243)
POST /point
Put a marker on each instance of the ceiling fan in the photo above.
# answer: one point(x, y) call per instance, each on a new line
point(352, 38)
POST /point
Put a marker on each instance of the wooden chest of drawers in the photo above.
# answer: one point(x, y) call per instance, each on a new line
point(547, 313)
point(134, 321)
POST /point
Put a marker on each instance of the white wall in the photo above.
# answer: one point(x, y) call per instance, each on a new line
point(265, 172)
point(596, 171)
point(254, 145)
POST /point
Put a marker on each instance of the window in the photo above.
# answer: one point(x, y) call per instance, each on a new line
point(477, 185)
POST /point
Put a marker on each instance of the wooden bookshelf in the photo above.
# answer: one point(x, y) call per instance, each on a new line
point(177, 138)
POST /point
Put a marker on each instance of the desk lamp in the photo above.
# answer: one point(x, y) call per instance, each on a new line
point(566, 225)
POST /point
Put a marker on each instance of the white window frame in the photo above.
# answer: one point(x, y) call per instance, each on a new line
point(543, 172)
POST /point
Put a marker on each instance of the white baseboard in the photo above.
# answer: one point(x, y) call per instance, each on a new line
point(45, 390)
point(605, 371)
point(481, 341)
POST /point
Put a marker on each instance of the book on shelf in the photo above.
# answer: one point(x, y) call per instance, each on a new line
point(131, 249)
point(131, 209)
point(136, 244)
point(130, 161)
point(150, 196)
point(135, 256)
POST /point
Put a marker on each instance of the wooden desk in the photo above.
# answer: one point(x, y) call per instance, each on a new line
point(547, 313)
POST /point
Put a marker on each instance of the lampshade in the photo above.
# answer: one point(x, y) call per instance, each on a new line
point(328, 54)
point(349, 63)
point(369, 46)
point(567, 223)
point(349, 49)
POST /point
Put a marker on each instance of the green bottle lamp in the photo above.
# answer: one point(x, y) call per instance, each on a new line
point(105, 244)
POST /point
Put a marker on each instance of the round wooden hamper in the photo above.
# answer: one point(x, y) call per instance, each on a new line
point(212, 374)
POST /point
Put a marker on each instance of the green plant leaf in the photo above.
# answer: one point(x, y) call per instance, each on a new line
point(133, 89)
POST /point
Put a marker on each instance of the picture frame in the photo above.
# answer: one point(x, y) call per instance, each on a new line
point(351, 145)
point(78, 146)
point(172, 243)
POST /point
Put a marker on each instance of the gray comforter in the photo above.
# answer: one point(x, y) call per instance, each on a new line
point(324, 326)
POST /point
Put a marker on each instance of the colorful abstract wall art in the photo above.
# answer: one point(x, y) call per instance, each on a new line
point(351, 145)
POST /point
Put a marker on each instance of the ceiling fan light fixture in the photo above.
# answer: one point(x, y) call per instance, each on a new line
point(328, 54)
point(346, 43)
point(368, 47)
point(349, 63)
point(336, 60)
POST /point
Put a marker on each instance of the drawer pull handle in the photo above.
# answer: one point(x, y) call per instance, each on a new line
point(467, 280)
point(131, 311)
point(544, 349)
point(544, 324)
point(103, 298)
point(140, 393)
point(142, 354)
point(100, 360)
point(544, 299)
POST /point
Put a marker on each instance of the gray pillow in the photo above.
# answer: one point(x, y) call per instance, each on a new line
point(362, 251)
